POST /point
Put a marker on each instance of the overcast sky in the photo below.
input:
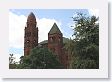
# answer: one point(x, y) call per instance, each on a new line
point(45, 19)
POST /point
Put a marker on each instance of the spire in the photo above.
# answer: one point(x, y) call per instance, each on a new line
point(31, 17)
point(54, 29)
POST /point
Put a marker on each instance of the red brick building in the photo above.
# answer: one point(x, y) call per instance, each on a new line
point(55, 40)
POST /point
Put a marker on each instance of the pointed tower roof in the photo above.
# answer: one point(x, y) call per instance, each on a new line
point(54, 29)
point(31, 16)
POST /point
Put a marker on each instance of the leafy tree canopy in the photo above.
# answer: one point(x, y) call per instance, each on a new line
point(86, 32)
point(40, 58)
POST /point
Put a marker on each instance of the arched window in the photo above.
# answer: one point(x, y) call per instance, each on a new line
point(59, 39)
point(28, 43)
point(34, 41)
point(51, 39)
point(54, 39)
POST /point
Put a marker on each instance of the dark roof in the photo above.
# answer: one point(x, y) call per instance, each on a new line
point(54, 29)
point(65, 40)
point(44, 42)
point(31, 16)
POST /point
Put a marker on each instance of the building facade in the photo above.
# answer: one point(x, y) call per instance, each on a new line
point(31, 34)
point(54, 42)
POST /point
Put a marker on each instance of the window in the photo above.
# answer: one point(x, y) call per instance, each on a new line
point(28, 43)
point(52, 39)
point(34, 41)
point(59, 39)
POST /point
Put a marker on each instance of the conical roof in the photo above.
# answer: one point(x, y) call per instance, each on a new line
point(54, 29)
point(31, 16)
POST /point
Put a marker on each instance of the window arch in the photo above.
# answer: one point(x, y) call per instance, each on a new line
point(27, 43)
point(52, 39)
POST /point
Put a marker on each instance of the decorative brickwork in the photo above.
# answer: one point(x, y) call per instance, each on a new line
point(55, 39)
point(31, 34)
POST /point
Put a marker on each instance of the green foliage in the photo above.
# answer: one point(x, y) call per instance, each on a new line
point(13, 66)
point(86, 32)
point(69, 46)
point(40, 58)
point(84, 64)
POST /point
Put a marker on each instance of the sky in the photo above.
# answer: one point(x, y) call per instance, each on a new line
point(45, 19)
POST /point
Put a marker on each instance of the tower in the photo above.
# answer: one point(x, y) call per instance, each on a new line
point(55, 41)
point(31, 34)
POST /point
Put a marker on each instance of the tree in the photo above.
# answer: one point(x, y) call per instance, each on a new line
point(21, 60)
point(11, 59)
point(69, 46)
point(40, 58)
point(86, 32)
point(12, 63)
